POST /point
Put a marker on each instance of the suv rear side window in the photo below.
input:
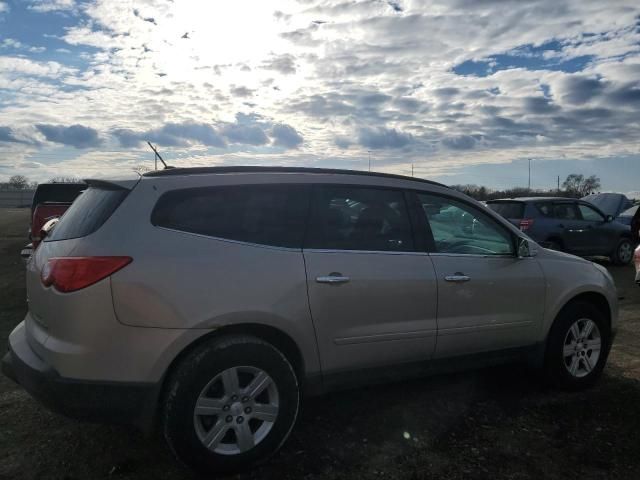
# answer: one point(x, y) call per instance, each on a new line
point(508, 209)
point(263, 214)
point(360, 218)
point(87, 213)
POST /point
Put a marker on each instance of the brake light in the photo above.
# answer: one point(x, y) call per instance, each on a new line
point(68, 274)
point(525, 224)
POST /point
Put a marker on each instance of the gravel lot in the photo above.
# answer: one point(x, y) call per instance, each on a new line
point(494, 423)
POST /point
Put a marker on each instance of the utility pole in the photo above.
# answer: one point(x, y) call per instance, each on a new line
point(529, 188)
point(412, 168)
point(558, 183)
point(157, 155)
point(369, 151)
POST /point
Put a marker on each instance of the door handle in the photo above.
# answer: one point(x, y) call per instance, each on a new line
point(333, 278)
point(457, 278)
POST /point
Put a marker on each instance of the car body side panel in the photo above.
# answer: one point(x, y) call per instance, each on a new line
point(567, 277)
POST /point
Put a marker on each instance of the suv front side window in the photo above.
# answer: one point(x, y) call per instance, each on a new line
point(360, 218)
point(463, 229)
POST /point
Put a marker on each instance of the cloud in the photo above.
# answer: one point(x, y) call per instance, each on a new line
point(172, 135)
point(44, 6)
point(247, 130)
point(383, 138)
point(463, 142)
point(241, 91)
point(77, 136)
point(4, 7)
point(6, 135)
point(579, 89)
point(284, 64)
point(286, 136)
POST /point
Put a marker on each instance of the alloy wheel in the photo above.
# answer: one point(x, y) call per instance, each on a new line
point(582, 345)
point(236, 410)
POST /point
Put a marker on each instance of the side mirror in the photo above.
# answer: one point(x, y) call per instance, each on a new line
point(525, 250)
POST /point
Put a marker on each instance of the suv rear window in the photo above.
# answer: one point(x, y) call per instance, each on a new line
point(507, 209)
point(264, 214)
point(87, 213)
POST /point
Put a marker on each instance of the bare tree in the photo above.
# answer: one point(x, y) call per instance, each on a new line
point(19, 182)
point(579, 186)
point(140, 169)
point(65, 180)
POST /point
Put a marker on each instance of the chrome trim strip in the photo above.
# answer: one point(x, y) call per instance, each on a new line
point(480, 328)
point(385, 337)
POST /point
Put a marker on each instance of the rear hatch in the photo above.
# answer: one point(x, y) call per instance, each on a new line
point(76, 235)
point(512, 210)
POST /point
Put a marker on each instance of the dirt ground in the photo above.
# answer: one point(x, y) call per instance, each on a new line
point(494, 423)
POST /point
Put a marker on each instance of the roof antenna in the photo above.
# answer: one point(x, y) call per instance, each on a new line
point(157, 156)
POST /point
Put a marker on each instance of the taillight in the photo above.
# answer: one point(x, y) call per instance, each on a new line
point(68, 274)
point(525, 224)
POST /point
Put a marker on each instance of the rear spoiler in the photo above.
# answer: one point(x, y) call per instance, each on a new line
point(121, 183)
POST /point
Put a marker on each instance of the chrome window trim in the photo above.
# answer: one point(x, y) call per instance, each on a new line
point(473, 255)
point(362, 252)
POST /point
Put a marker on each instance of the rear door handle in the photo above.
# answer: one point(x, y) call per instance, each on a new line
point(333, 278)
point(457, 278)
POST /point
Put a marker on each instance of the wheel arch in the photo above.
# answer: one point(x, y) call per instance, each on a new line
point(275, 336)
point(596, 299)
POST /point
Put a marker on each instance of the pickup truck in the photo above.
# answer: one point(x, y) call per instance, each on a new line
point(50, 201)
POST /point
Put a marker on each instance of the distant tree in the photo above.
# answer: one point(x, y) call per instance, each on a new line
point(65, 180)
point(33, 185)
point(19, 182)
point(579, 186)
point(141, 169)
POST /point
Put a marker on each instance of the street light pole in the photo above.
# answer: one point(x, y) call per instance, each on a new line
point(369, 151)
point(529, 175)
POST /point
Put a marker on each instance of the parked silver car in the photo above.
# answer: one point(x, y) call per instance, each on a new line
point(208, 301)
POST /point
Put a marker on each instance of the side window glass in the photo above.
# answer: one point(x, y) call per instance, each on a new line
point(565, 211)
point(589, 214)
point(460, 228)
point(356, 218)
point(546, 209)
point(264, 214)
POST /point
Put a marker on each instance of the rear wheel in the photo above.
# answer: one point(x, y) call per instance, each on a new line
point(623, 253)
point(554, 245)
point(577, 347)
point(231, 403)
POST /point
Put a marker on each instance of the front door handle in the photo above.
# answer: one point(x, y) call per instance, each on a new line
point(333, 278)
point(457, 278)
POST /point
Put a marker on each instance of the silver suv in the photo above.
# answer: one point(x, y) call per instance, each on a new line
point(207, 301)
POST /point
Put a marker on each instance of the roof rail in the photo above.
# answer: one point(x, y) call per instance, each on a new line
point(255, 169)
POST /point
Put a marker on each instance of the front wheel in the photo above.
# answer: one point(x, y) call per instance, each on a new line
point(577, 347)
point(230, 404)
point(623, 253)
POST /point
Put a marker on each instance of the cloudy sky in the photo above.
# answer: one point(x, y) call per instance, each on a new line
point(465, 90)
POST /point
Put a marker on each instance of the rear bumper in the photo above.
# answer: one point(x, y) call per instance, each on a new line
point(110, 402)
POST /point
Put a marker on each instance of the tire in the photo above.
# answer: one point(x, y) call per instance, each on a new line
point(623, 254)
point(554, 245)
point(560, 358)
point(242, 431)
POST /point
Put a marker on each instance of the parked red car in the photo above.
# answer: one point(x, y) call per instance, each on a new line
point(50, 201)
